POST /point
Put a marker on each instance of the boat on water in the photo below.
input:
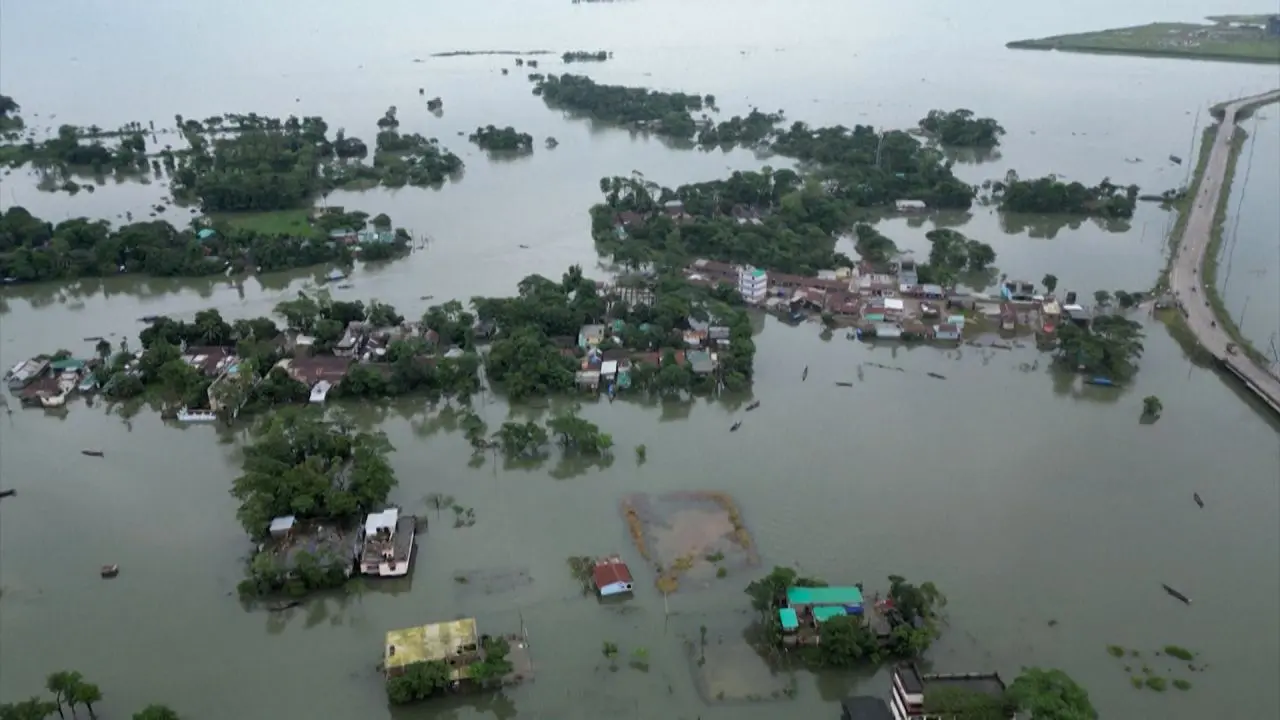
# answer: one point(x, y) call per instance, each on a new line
point(842, 383)
point(1176, 594)
point(193, 416)
point(109, 571)
point(753, 406)
point(1100, 381)
point(735, 426)
point(386, 546)
point(93, 453)
point(1196, 497)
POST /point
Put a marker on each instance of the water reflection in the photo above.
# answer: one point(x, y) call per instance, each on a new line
point(1047, 227)
point(972, 156)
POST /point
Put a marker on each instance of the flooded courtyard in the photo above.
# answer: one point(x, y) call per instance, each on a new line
point(1040, 506)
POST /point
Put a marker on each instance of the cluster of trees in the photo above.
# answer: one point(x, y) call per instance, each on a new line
point(65, 152)
point(496, 139)
point(959, 128)
point(1050, 195)
point(70, 690)
point(301, 464)
point(586, 56)
point(660, 112)
point(32, 249)
point(1110, 347)
point(270, 573)
point(423, 680)
point(848, 641)
point(951, 253)
point(1042, 694)
point(754, 129)
point(772, 219)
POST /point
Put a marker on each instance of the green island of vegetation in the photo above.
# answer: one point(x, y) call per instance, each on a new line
point(1049, 195)
point(1239, 38)
point(912, 620)
point(959, 128)
point(659, 112)
point(774, 219)
point(586, 56)
point(70, 690)
point(34, 250)
point(507, 139)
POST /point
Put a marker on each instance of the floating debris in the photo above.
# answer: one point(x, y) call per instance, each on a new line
point(1176, 594)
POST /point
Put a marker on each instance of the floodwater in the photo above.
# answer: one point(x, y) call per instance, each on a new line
point(1249, 263)
point(1044, 510)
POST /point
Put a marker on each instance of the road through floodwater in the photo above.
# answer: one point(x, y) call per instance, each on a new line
point(1026, 497)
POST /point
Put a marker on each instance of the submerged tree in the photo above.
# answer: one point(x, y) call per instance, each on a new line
point(1151, 407)
point(1110, 346)
point(1051, 695)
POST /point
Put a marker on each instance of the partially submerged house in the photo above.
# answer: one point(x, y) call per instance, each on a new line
point(865, 707)
point(455, 643)
point(911, 689)
point(611, 577)
point(387, 545)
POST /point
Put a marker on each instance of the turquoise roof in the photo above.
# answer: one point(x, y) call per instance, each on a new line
point(826, 612)
point(66, 364)
point(205, 234)
point(788, 618)
point(824, 596)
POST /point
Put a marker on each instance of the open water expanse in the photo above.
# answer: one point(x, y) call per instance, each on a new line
point(1026, 497)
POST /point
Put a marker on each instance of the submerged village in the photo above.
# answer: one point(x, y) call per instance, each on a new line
point(694, 264)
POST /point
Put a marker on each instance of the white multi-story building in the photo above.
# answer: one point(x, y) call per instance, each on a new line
point(753, 283)
point(910, 688)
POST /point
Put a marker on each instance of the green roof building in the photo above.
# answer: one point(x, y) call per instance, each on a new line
point(816, 596)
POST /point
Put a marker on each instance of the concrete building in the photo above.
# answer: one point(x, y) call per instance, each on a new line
point(753, 284)
point(911, 688)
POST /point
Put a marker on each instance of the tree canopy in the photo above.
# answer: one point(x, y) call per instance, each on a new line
point(1051, 695)
point(506, 139)
point(301, 464)
point(1050, 195)
point(960, 128)
point(660, 112)
point(1110, 347)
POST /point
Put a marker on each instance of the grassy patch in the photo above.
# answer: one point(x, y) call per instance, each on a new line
point(275, 222)
point(1136, 682)
point(1179, 652)
point(1182, 684)
point(1155, 683)
point(1115, 651)
point(1185, 40)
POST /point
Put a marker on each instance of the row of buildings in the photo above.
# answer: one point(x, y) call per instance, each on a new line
point(381, 547)
point(609, 369)
point(910, 690)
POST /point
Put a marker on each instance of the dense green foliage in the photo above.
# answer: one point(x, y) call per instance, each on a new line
point(1050, 195)
point(959, 128)
point(660, 112)
point(32, 249)
point(300, 464)
point(10, 120)
point(1051, 695)
point(964, 704)
point(1110, 347)
point(951, 253)
point(754, 129)
point(507, 139)
point(872, 246)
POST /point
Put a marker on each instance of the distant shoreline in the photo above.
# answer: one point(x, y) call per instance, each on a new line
point(1218, 42)
point(468, 53)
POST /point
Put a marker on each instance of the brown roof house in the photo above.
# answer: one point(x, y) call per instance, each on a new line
point(612, 577)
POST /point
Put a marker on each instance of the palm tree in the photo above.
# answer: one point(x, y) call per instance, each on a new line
point(87, 693)
point(61, 684)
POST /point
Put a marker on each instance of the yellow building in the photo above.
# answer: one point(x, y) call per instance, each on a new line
point(455, 643)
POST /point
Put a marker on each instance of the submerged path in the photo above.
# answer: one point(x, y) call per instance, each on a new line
point(1188, 264)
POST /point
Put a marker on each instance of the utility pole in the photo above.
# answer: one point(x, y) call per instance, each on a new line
point(879, 145)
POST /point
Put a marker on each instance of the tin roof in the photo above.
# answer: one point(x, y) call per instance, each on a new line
point(610, 570)
point(788, 618)
point(826, 612)
point(824, 596)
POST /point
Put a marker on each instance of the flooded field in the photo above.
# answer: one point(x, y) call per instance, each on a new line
point(693, 537)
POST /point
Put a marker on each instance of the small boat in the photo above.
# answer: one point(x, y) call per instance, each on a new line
point(283, 605)
point(92, 453)
point(805, 375)
point(1100, 381)
point(735, 426)
point(426, 297)
point(96, 338)
point(7, 493)
point(110, 571)
point(149, 318)
point(1175, 159)
point(1176, 594)
point(936, 375)
point(524, 247)
point(753, 406)
point(345, 286)
point(1196, 497)
point(844, 384)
